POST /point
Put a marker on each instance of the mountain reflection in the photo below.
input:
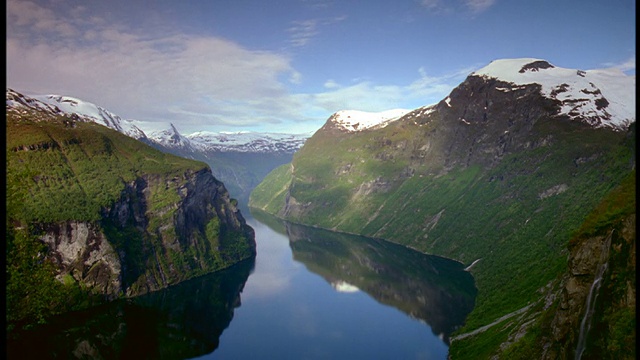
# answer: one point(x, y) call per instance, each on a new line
point(429, 288)
point(183, 321)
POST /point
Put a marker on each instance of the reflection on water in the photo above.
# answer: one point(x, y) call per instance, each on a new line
point(429, 288)
point(309, 294)
point(180, 322)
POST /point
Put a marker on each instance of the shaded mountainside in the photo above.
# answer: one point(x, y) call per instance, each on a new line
point(499, 174)
point(112, 216)
point(239, 160)
point(181, 322)
point(240, 171)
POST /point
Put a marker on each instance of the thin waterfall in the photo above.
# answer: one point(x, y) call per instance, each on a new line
point(585, 325)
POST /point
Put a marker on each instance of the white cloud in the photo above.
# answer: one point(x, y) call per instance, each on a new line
point(171, 78)
point(368, 96)
point(27, 13)
point(331, 84)
point(195, 82)
point(628, 65)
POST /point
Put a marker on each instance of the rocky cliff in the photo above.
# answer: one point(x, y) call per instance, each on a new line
point(100, 254)
point(594, 313)
point(118, 217)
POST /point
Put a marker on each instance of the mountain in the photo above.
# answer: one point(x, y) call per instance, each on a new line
point(601, 98)
point(84, 111)
point(352, 120)
point(248, 142)
point(500, 175)
point(170, 138)
point(94, 215)
point(240, 160)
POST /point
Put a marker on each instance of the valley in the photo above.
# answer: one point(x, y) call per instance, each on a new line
point(524, 176)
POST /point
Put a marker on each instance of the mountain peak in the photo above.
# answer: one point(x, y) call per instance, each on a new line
point(508, 67)
point(85, 111)
point(354, 120)
point(600, 97)
point(247, 141)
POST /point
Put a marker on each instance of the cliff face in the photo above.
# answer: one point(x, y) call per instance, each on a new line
point(597, 298)
point(118, 217)
point(101, 256)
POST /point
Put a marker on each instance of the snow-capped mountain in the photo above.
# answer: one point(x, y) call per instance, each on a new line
point(354, 120)
point(102, 116)
point(601, 98)
point(84, 111)
point(248, 141)
point(170, 138)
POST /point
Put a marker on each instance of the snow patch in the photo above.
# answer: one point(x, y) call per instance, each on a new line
point(354, 120)
point(603, 97)
point(344, 287)
point(246, 141)
point(91, 112)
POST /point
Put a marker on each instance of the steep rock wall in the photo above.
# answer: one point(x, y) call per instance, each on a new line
point(133, 250)
point(615, 250)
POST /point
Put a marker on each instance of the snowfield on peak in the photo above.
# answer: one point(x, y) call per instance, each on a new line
point(168, 137)
point(94, 113)
point(246, 141)
point(603, 97)
point(354, 120)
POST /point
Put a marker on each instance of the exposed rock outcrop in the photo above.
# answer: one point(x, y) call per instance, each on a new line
point(616, 251)
point(130, 253)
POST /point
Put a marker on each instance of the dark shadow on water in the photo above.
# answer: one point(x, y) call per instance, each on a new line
point(183, 321)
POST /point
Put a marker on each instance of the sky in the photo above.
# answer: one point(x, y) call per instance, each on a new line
point(287, 65)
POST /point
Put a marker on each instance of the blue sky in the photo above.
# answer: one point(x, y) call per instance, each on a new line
point(287, 65)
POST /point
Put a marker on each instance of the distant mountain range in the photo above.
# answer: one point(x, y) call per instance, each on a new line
point(239, 159)
point(170, 138)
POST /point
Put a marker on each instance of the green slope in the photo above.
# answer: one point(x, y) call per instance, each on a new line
point(516, 214)
point(62, 172)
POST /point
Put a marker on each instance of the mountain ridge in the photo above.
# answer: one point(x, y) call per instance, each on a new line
point(506, 177)
point(250, 142)
point(94, 215)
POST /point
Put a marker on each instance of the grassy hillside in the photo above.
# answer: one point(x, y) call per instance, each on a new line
point(61, 173)
point(57, 173)
point(515, 216)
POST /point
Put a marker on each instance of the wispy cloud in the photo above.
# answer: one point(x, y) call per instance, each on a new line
point(628, 65)
point(478, 6)
point(368, 96)
point(302, 31)
point(446, 6)
point(196, 82)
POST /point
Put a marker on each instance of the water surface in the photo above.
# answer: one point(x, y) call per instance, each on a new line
point(309, 294)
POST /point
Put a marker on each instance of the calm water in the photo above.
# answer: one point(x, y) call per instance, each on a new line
point(309, 294)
